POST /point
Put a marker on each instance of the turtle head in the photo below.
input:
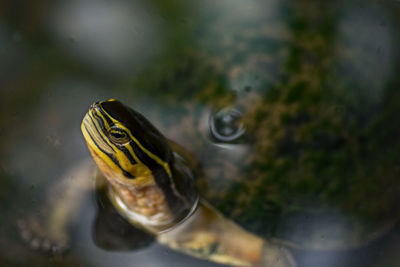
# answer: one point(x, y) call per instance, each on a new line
point(126, 147)
point(148, 184)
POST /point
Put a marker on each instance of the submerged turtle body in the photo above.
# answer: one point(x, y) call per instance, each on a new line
point(193, 226)
point(151, 186)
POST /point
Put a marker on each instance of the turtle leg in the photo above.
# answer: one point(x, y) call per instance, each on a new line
point(48, 229)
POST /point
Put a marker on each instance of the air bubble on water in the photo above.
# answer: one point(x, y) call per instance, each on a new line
point(225, 125)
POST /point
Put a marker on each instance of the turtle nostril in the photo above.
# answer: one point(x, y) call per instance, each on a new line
point(92, 106)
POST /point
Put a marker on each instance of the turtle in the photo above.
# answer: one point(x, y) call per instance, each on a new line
point(315, 138)
point(145, 184)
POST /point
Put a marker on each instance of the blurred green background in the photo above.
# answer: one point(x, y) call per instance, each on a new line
point(316, 81)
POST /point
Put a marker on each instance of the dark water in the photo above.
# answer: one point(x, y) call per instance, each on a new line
point(316, 85)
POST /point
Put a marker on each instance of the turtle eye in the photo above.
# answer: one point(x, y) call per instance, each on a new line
point(118, 136)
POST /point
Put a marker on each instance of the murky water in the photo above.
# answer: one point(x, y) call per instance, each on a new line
point(290, 108)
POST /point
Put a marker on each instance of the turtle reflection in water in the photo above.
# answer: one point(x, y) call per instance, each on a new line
point(150, 182)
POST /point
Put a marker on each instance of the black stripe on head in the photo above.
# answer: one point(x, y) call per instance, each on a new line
point(127, 154)
point(102, 125)
point(127, 174)
point(109, 121)
point(100, 120)
point(148, 136)
point(99, 133)
point(143, 157)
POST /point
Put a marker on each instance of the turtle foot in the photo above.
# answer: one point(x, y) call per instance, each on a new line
point(41, 238)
